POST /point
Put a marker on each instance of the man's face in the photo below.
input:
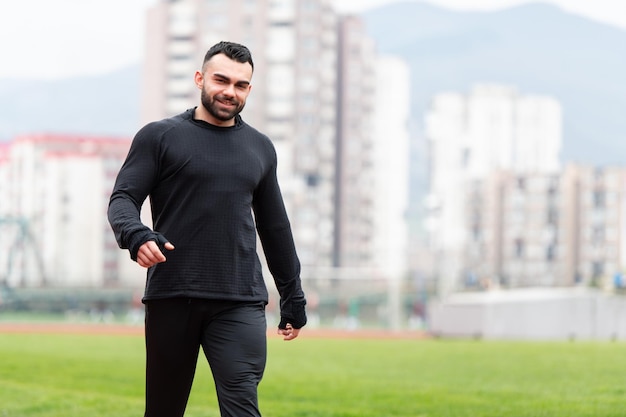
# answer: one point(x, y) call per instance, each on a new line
point(225, 85)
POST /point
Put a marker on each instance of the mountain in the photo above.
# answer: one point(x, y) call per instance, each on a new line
point(98, 105)
point(538, 48)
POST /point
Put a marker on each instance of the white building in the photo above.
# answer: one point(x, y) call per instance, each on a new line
point(391, 166)
point(293, 99)
point(471, 135)
point(55, 191)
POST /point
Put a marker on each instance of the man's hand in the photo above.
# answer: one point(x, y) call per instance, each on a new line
point(289, 332)
point(149, 253)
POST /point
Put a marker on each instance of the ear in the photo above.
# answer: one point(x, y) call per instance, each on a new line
point(198, 78)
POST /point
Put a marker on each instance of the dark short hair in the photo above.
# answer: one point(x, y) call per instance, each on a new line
point(232, 50)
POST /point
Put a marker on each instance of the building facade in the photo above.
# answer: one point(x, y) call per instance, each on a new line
point(596, 229)
point(391, 162)
point(294, 94)
point(492, 128)
point(354, 170)
point(55, 191)
point(546, 230)
point(313, 94)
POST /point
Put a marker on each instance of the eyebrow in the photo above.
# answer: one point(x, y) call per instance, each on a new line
point(225, 78)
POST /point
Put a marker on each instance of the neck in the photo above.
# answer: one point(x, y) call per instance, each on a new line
point(200, 113)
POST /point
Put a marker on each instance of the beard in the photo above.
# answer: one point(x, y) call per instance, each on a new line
point(215, 109)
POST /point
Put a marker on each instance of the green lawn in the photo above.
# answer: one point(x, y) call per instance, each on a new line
point(47, 375)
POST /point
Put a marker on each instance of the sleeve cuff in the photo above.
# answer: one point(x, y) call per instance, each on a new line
point(297, 318)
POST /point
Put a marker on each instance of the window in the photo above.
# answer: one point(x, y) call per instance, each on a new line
point(552, 216)
point(519, 248)
point(598, 235)
point(312, 180)
point(465, 157)
point(599, 198)
point(597, 269)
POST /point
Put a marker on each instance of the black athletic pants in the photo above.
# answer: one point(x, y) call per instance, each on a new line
point(233, 338)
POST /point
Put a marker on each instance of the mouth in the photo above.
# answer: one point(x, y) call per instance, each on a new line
point(226, 102)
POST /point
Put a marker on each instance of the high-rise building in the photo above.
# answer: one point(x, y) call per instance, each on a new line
point(354, 174)
point(471, 135)
point(391, 161)
point(293, 99)
point(313, 94)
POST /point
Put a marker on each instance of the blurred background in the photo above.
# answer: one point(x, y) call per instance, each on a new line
point(449, 167)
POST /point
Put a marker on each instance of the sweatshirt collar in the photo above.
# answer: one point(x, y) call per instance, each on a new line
point(190, 112)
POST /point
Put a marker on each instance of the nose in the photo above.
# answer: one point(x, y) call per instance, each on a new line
point(229, 90)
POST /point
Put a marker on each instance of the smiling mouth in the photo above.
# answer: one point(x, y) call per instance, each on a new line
point(228, 103)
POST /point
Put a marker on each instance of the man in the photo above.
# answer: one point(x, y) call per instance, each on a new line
point(207, 172)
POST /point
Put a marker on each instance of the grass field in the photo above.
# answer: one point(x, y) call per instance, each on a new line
point(72, 375)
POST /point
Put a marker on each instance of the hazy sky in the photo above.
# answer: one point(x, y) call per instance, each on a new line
point(63, 38)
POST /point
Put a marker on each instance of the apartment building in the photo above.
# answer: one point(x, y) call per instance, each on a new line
point(513, 226)
point(596, 229)
point(313, 94)
point(54, 192)
point(293, 99)
point(355, 173)
point(391, 162)
point(546, 230)
point(493, 127)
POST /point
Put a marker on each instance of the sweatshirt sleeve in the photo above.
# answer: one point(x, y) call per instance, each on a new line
point(278, 245)
point(134, 182)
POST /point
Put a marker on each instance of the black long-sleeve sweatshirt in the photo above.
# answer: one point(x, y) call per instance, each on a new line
point(204, 183)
